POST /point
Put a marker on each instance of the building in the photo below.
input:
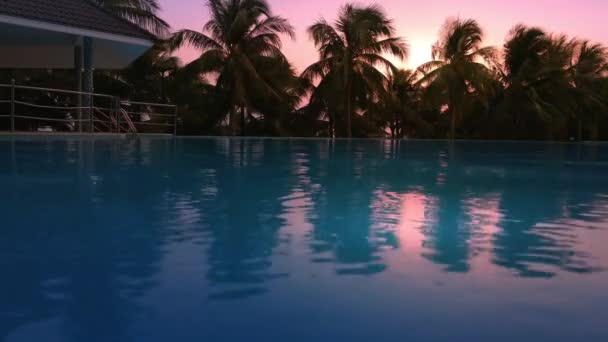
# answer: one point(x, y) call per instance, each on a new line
point(62, 34)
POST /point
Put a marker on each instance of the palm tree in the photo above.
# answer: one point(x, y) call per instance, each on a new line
point(406, 94)
point(241, 45)
point(537, 83)
point(143, 13)
point(588, 71)
point(350, 50)
point(524, 70)
point(397, 105)
point(149, 75)
point(459, 68)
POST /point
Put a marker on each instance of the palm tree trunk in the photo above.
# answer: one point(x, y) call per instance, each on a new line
point(162, 87)
point(233, 121)
point(595, 132)
point(349, 91)
point(394, 125)
point(243, 113)
point(399, 128)
point(453, 124)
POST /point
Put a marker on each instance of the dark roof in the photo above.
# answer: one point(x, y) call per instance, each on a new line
point(83, 14)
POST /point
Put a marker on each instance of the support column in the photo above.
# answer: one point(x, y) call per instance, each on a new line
point(87, 58)
point(78, 73)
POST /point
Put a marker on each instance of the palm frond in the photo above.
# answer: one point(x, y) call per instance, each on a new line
point(273, 25)
point(143, 18)
point(195, 39)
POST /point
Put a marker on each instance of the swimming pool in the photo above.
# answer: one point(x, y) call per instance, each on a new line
point(157, 239)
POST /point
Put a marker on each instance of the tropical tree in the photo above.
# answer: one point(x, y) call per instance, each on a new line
point(241, 47)
point(588, 71)
point(405, 93)
point(525, 68)
point(349, 52)
point(143, 13)
point(459, 69)
point(538, 90)
point(150, 75)
point(397, 107)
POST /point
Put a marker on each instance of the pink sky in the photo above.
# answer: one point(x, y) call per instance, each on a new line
point(419, 21)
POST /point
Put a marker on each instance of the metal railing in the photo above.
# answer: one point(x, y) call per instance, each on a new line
point(48, 109)
point(130, 126)
point(156, 115)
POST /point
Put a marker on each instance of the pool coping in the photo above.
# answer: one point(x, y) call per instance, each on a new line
point(64, 135)
point(8, 134)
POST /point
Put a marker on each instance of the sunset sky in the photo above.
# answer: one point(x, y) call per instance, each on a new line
point(419, 21)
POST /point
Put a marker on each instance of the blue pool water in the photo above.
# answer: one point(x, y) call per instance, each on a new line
point(302, 240)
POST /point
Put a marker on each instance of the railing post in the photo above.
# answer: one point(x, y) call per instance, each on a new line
point(92, 122)
point(80, 120)
point(80, 115)
point(118, 115)
point(12, 105)
point(175, 122)
point(114, 115)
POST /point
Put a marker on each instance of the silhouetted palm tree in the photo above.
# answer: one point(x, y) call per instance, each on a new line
point(350, 50)
point(241, 44)
point(537, 84)
point(405, 95)
point(589, 69)
point(396, 107)
point(459, 67)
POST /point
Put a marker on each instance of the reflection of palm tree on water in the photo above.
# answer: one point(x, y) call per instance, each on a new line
point(520, 242)
point(242, 212)
point(245, 220)
point(533, 242)
point(447, 240)
point(343, 231)
point(460, 226)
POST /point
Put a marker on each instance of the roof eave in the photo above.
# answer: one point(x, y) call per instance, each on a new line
point(43, 25)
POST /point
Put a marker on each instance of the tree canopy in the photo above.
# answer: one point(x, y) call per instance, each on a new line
point(538, 85)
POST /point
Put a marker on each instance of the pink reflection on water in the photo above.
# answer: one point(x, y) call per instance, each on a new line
point(485, 217)
point(413, 217)
point(405, 214)
point(418, 211)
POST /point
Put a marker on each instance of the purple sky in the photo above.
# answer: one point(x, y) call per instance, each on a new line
point(419, 21)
